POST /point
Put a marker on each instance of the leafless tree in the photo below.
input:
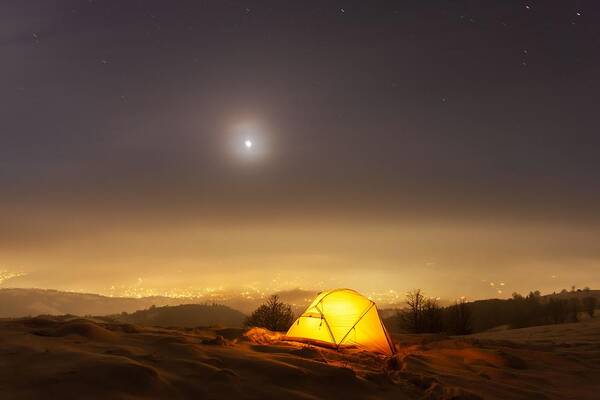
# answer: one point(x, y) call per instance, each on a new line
point(422, 314)
point(413, 315)
point(273, 315)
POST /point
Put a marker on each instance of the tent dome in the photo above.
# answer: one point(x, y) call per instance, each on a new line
point(342, 318)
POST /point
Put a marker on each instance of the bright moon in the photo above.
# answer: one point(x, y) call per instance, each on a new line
point(248, 143)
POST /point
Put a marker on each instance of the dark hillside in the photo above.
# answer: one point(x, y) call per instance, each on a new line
point(186, 315)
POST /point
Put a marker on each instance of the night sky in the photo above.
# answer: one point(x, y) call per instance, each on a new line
point(446, 145)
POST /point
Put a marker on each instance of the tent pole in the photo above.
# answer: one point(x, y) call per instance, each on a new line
point(357, 321)
point(326, 323)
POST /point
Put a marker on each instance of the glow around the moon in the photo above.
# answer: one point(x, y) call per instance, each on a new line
point(249, 141)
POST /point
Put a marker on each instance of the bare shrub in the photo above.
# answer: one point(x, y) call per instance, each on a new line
point(422, 315)
point(273, 315)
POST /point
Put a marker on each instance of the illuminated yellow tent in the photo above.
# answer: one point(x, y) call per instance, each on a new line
point(342, 318)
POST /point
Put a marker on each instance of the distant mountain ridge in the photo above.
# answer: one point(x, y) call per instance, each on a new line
point(185, 316)
point(16, 303)
point(23, 302)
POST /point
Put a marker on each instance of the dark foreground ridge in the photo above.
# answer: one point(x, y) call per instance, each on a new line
point(73, 358)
